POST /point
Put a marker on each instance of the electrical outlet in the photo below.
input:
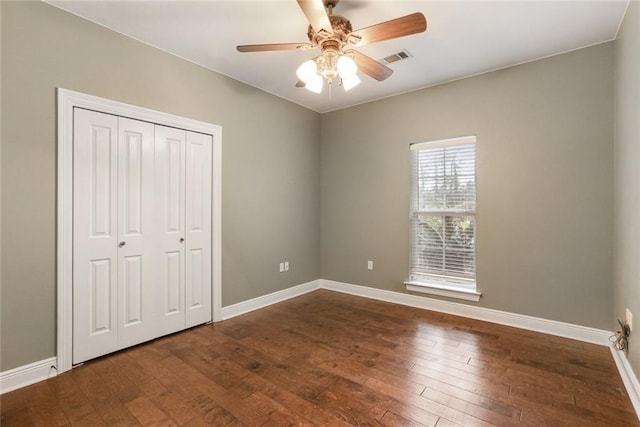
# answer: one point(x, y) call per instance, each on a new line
point(629, 318)
point(286, 266)
point(370, 265)
point(281, 267)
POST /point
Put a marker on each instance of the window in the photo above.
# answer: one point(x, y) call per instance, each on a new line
point(443, 218)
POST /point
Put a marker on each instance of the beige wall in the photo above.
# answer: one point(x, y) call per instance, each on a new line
point(270, 168)
point(545, 135)
point(627, 176)
point(544, 169)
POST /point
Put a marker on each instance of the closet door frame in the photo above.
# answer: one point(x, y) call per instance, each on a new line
point(68, 100)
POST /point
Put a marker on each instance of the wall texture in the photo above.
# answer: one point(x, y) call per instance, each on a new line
point(331, 192)
point(544, 169)
point(627, 175)
point(270, 168)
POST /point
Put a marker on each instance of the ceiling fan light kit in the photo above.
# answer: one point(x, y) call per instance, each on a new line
point(307, 70)
point(350, 82)
point(315, 84)
point(347, 67)
point(330, 65)
point(333, 35)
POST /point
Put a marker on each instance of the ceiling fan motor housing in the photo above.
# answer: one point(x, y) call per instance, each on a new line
point(341, 27)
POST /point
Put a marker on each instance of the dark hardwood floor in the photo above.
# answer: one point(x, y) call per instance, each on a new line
point(335, 360)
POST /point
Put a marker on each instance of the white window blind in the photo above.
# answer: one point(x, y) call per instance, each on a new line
point(443, 212)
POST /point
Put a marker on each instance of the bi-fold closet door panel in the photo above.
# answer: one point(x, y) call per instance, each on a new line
point(198, 228)
point(142, 232)
point(95, 234)
point(183, 206)
point(170, 211)
point(137, 241)
point(183, 217)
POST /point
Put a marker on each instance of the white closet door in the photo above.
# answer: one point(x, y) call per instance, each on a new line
point(136, 233)
point(170, 208)
point(198, 229)
point(94, 234)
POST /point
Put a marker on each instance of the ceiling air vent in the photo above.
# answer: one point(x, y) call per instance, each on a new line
point(400, 56)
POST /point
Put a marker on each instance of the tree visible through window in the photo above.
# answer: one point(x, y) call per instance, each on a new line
point(444, 212)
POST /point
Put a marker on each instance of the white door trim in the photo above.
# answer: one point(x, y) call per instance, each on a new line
point(67, 101)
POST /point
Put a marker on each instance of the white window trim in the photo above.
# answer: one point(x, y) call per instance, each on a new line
point(443, 143)
point(443, 290)
point(67, 100)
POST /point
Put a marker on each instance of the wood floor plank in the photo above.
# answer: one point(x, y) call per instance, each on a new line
point(331, 359)
point(44, 408)
point(233, 404)
point(79, 410)
point(121, 385)
point(278, 414)
point(295, 403)
point(146, 411)
point(426, 404)
point(604, 409)
point(178, 408)
point(443, 422)
point(392, 419)
point(504, 415)
point(14, 409)
point(212, 413)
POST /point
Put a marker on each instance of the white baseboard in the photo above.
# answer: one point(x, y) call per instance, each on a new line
point(629, 378)
point(269, 299)
point(23, 376)
point(34, 372)
point(552, 327)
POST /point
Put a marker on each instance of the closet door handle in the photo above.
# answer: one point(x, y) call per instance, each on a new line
point(121, 244)
point(182, 240)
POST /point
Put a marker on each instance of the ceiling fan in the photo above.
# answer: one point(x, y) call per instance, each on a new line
point(335, 38)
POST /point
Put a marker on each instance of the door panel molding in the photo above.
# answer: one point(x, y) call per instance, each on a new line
point(136, 213)
point(67, 101)
point(197, 249)
point(95, 234)
point(170, 210)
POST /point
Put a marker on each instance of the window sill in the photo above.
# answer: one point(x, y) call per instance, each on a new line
point(443, 290)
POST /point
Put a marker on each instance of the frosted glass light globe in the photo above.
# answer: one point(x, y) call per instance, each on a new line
point(350, 82)
point(347, 67)
point(315, 84)
point(307, 71)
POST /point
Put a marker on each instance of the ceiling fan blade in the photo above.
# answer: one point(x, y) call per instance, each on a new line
point(272, 46)
point(300, 83)
point(399, 27)
point(370, 66)
point(316, 15)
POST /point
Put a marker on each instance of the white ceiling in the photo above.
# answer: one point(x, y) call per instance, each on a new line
point(463, 38)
